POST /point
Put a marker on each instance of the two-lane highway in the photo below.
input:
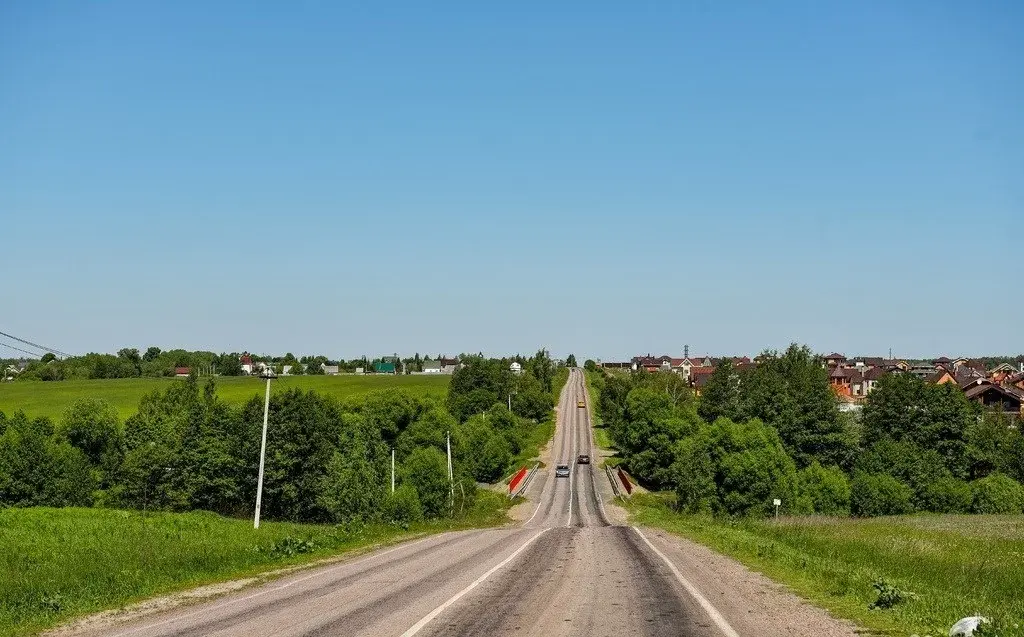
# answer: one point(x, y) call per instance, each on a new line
point(566, 571)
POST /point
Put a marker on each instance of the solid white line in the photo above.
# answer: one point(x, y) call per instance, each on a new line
point(232, 602)
point(418, 626)
point(712, 612)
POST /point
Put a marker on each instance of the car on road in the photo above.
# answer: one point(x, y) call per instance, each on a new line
point(581, 404)
point(583, 459)
point(562, 471)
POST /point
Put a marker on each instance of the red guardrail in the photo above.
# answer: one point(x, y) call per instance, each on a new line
point(516, 479)
point(625, 481)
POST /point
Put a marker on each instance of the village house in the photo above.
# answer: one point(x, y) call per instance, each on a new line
point(330, 370)
point(1007, 399)
point(431, 367)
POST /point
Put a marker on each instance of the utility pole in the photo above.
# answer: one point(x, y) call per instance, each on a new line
point(451, 479)
point(392, 470)
point(268, 374)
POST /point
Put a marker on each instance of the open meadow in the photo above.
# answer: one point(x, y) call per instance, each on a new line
point(38, 398)
point(57, 564)
point(921, 572)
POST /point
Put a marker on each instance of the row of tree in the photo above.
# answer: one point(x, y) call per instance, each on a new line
point(326, 460)
point(775, 431)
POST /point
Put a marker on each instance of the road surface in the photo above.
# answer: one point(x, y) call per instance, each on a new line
point(565, 571)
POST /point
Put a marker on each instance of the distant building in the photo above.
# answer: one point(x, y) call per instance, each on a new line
point(431, 367)
point(182, 371)
point(450, 365)
point(246, 361)
point(382, 367)
point(330, 370)
point(515, 367)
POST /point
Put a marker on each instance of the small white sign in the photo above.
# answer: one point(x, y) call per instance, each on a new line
point(777, 502)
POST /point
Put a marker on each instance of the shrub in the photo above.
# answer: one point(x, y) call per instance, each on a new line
point(734, 468)
point(997, 493)
point(874, 494)
point(823, 490)
point(403, 506)
point(947, 495)
point(426, 469)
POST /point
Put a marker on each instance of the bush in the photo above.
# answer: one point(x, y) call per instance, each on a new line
point(403, 506)
point(997, 493)
point(823, 490)
point(734, 468)
point(947, 495)
point(426, 469)
point(874, 494)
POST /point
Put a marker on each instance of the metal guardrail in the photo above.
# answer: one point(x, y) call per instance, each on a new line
point(524, 484)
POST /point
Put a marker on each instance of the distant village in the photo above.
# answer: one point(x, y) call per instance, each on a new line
point(853, 379)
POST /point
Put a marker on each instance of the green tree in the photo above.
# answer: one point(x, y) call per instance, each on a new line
point(426, 470)
point(905, 408)
point(590, 365)
point(720, 397)
point(93, 427)
point(48, 357)
point(570, 361)
point(151, 354)
point(734, 468)
point(791, 392)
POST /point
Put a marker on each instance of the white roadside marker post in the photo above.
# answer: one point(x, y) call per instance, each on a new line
point(777, 502)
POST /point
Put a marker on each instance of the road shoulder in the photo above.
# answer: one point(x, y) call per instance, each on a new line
point(752, 603)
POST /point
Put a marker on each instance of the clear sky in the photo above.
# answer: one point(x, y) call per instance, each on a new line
point(605, 178)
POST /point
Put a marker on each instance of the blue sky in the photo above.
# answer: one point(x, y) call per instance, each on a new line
point(601, 178)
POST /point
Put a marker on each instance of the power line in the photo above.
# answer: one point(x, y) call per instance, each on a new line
point(24, 351)
point(36, 345)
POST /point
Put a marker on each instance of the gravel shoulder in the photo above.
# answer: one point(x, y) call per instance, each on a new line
point(752, 603)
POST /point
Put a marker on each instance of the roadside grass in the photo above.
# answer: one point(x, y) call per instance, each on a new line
point(539, 436)
point(38, 398)
point(59, 564)
point(946, 566)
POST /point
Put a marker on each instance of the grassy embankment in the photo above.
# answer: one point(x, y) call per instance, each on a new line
point(951, 566)
point(51, 399)
point(602, 438)
point(57, 564)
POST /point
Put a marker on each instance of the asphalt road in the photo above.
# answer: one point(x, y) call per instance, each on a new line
point(565, 571)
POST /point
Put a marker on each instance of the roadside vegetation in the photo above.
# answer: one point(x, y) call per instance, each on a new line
point(56, 564)
point(602, 435)
point(718, 462)
point(328, 462)
point(775, 431)
point(52, 399)
point(902, 575)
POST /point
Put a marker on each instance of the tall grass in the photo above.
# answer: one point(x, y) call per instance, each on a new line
point(56, 564)
point(949, 566)
point(37, 398)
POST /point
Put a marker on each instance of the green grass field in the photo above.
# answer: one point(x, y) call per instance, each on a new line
point(57, 564)
point(39, 398)
point(952, 566)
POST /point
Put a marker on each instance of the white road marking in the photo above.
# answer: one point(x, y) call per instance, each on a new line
point(540, 499)
point(418, 626)
point(712, 612)
point(232, 602)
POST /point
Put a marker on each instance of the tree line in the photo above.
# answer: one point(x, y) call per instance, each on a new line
point(775, 431)
point(326, 460)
